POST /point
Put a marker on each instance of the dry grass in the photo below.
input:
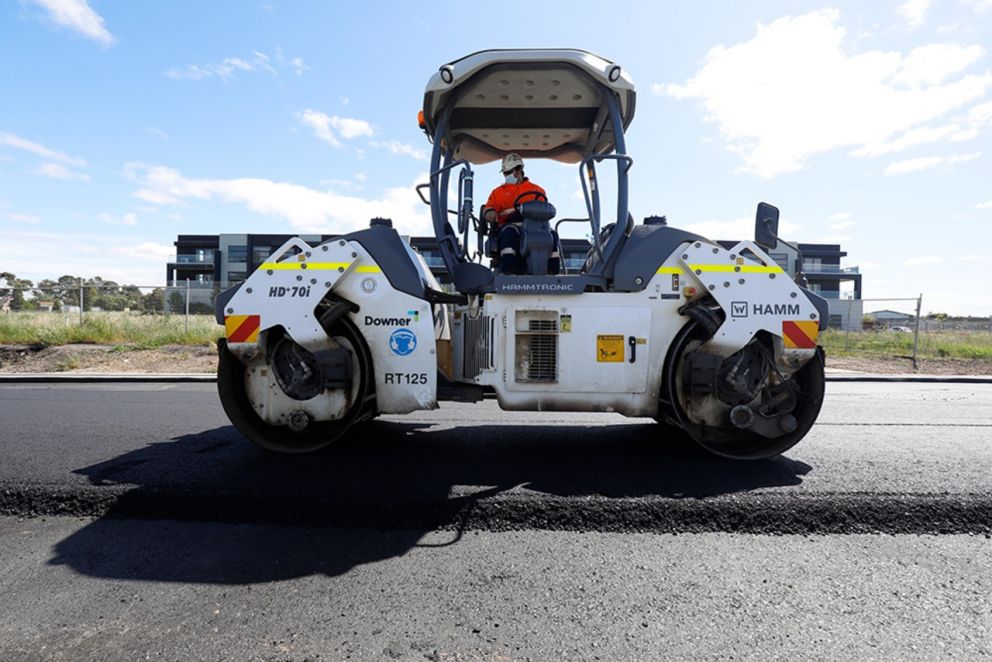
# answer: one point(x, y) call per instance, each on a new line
point(932, 344)
point(106, 328)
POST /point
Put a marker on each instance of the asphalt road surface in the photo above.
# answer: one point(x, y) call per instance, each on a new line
point(137, 523)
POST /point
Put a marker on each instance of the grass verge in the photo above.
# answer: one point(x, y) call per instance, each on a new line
point(133, 329)
point(932, 344)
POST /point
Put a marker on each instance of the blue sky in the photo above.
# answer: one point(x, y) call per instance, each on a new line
point(124, 124)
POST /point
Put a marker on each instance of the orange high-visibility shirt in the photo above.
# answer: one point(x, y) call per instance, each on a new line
point(503, 196)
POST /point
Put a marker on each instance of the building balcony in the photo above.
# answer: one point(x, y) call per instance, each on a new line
point(193, 284)
point(194, 260)
point(831, 269)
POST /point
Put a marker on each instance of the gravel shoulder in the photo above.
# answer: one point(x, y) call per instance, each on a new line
point(170, 359)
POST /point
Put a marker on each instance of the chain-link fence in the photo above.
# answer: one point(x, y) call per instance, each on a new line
point(896, 328)
point(76, 310)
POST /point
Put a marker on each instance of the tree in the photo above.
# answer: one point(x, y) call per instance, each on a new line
point(15, 288)
point(177, 303)
point(132, 297)
point(153, 302)
point(64, 291)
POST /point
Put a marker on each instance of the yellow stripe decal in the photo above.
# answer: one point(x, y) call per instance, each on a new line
point(669, 270)
point(730, 268)
point(319, 266)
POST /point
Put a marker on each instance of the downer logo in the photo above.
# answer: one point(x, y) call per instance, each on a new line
point(738, 308)
point(387, 321)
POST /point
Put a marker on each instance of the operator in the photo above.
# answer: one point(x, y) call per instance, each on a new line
point(499, 209)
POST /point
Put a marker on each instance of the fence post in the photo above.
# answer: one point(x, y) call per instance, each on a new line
point(80, 300)
point(916, 330)
point(847, 335)
point(187, 306)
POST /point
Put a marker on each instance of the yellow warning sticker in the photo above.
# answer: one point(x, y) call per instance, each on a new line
point(609, 349)
point(566, 323)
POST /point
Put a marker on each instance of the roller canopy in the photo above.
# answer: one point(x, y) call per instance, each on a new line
point(538, 103)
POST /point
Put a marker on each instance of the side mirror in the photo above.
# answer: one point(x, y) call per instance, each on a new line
point(766, 226)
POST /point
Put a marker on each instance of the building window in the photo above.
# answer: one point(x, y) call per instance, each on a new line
point(260, 253)
point(781, 259)
point(237, 254)
point(236, 276)
point(836, 322)
point(433, 259)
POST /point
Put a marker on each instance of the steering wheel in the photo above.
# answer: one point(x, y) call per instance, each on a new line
point(537, 195)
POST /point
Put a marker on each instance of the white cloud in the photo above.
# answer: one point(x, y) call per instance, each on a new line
point(839, 216)
point(322, 125)
point(343, 183)
point(351, 128)
point(832, 239)
point(399, 148)
point(797, 89)
point(969, 258)
point(24, 218)
point(77, 15)
point(224, 70)
point(980, 6)
point(927, 162)
point(934, 63)
point(926, 259)
point(262, 62)
point(229, 66)
point(306, 209)
point(156, 197)
point(981, 114)
point(984, 205)
point(914, 12)
point(59, 171)
point(129, 219)
point(135, 261)
point(155, 131)
point(911, 138)
point(11, 140)
point(840, 225)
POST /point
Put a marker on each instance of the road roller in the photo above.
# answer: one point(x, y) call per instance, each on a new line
point(713, 340)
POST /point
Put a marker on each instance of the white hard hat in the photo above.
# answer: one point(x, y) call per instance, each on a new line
point(511, 161)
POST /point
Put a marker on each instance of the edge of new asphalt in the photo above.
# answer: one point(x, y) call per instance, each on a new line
point(137, 378)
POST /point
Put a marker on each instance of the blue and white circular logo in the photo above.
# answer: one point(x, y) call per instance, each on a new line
point(403, 342)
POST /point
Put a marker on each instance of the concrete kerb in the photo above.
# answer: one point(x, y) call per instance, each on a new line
point(104, 378)
point(190, 378)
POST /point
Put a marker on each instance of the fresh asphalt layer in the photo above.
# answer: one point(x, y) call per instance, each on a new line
point(471, 534)
point(124, 589)
point(883, 457)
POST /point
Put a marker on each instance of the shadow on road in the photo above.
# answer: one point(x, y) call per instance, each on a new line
point(210, 508)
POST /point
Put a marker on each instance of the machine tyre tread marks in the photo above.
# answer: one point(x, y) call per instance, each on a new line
point(234, 398)
point(728, 442)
